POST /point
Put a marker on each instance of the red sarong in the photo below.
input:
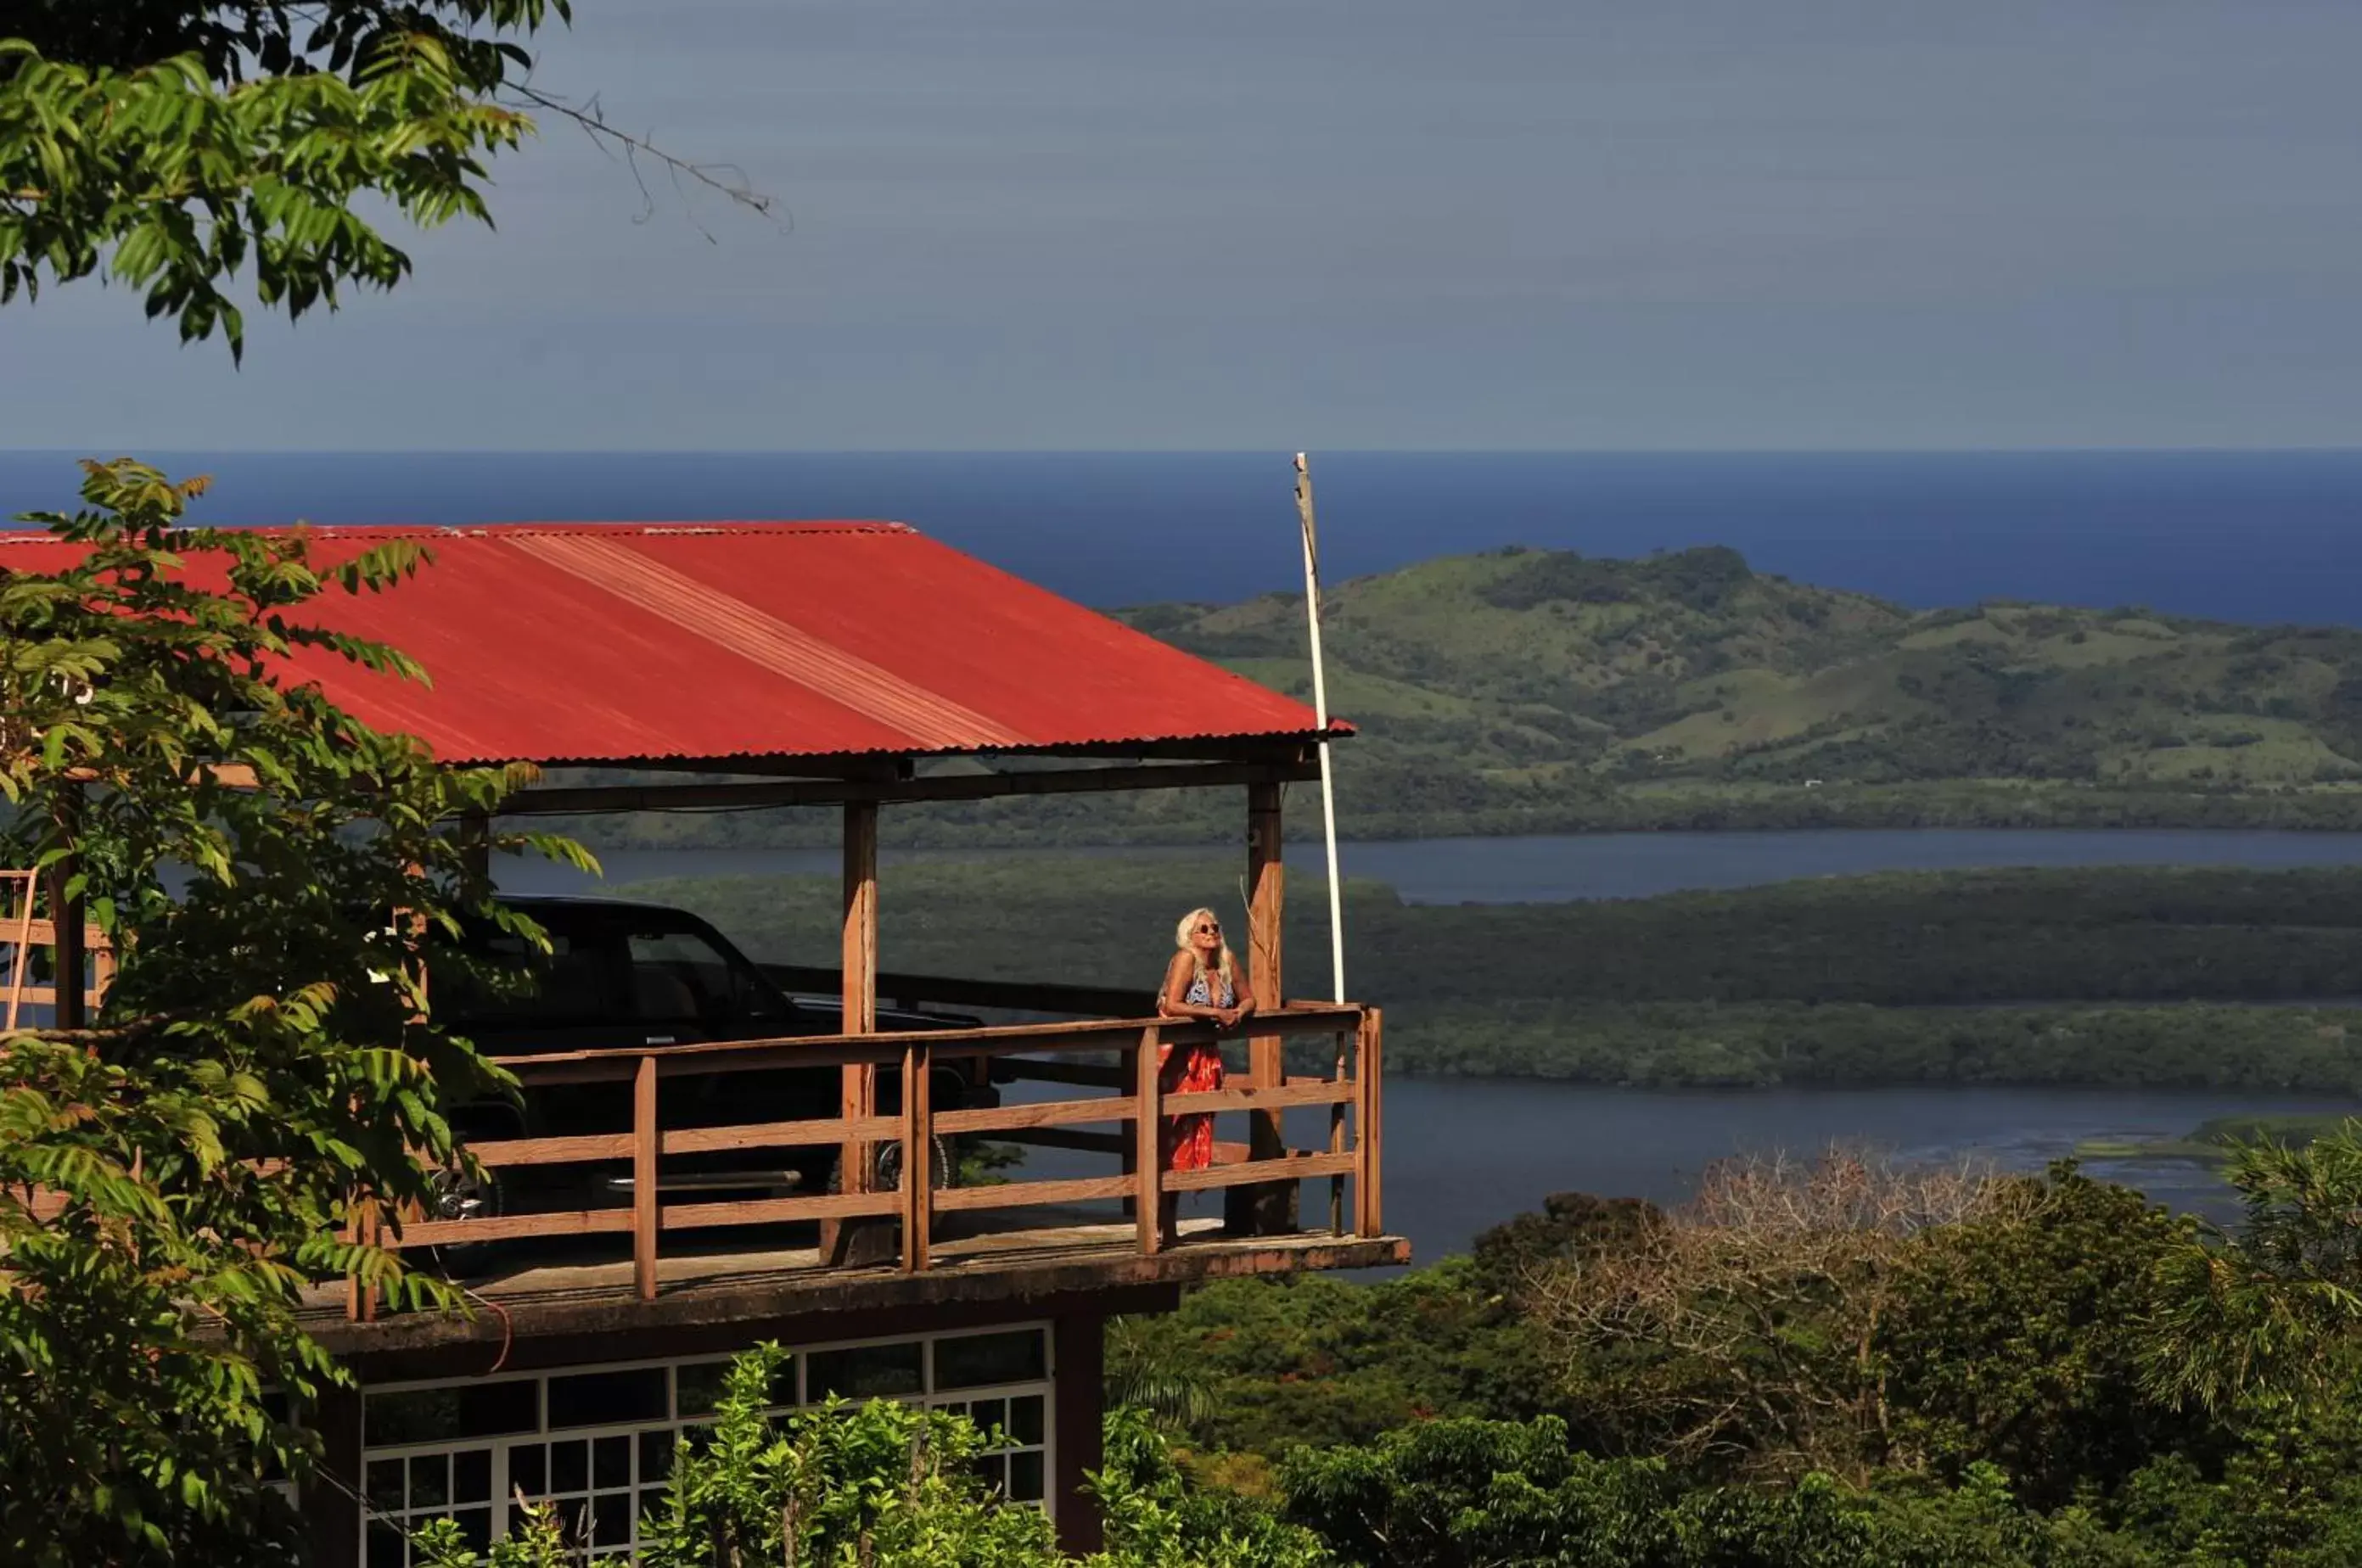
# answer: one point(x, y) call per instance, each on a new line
point(1188, 1141)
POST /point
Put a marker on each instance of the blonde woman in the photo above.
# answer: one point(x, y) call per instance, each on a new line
point(1202, 981)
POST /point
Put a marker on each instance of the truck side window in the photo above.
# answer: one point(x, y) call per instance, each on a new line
point(679, 977)
point(568, 986)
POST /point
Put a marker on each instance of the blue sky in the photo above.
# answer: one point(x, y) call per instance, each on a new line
point(1097, 224)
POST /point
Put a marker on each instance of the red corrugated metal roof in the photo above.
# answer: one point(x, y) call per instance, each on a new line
point(610, 643)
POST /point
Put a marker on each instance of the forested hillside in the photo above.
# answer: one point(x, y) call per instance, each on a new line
point(1526, 675)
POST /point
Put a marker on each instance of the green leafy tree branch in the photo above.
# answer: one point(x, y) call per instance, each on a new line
point(174, 1176)
point(175, 146)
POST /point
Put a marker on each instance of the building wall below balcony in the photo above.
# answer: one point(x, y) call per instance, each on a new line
point(592, 1427)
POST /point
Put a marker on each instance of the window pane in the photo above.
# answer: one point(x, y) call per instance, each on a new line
point(1025, 1419)
point(607, 1398)
point(438, 1414)
point(976, 1360)
point(387, 1549)
point(429, 1481)
point(865, 1372)
point(476, 1528)
point(611, 1462)
point(528, 1469)
point(990, 1414)
point(383, 1487)
point(570, 1466)
point(655, 1455)
point(612, 1519)
point(701, 1385)
point(1025, 1477)
point(471, 1475)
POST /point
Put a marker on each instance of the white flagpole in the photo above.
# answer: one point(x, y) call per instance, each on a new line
point(1320, 709)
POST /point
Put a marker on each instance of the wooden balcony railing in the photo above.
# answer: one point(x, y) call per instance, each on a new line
point(1057, 1052)
point(22, 931)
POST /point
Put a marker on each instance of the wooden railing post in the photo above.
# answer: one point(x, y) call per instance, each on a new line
point(1337, 1140)
point(644, 1178)
point(1147, 1142)
point(20, 942)
point(360, 1300)
point(918, 1157)
point(1370, 1216)
point(69, 1008)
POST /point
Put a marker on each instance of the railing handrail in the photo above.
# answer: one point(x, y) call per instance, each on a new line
point(989, 1040)
point(1014, 996)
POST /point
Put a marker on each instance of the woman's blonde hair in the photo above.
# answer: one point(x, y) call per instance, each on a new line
point(1181, 933)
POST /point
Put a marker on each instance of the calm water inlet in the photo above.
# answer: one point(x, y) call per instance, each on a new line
point(1543, 868)
point(1464, 1154)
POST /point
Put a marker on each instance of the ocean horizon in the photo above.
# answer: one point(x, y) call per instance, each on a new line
point(2255, 536)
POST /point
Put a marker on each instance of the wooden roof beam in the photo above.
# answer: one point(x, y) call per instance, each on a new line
point(961, 786)
point(855, 764)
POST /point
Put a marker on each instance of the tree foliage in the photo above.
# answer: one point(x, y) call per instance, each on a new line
point(1996, 1367)
point(181, 143)
point(1743, 1329)
point(2017, 1340)
point(174, 1176)
point(1475, 1494)
point(886, 1485)
point(2270, 1313)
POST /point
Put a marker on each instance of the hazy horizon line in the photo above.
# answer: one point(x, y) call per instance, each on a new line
point(609, 452)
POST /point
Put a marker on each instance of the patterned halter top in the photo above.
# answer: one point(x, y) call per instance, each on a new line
point(1202, 990)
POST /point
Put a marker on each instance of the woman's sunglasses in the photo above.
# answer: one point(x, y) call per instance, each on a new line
point(1210, 930)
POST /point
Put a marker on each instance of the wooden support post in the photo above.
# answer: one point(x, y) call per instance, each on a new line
point(1370, 1068)
point(644, 1178)
point(918, 1157)
point(1078, 1412)
point(332, 1497)
point(1147, 1142)
point(859, 962)
point(475, 842)
point(1263, 1211)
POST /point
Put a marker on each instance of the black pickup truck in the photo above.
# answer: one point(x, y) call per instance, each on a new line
point(621, 974)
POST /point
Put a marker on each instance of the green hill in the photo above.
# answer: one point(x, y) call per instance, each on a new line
point(1543, 691)
point(1550, 683)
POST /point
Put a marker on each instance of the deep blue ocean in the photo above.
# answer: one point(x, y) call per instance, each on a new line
point(2243, 536)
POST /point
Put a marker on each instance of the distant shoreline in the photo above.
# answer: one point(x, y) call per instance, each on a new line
point(1834, 808)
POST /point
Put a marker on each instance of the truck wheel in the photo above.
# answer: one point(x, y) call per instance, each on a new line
point(886, 1166)
point(461, 1196)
